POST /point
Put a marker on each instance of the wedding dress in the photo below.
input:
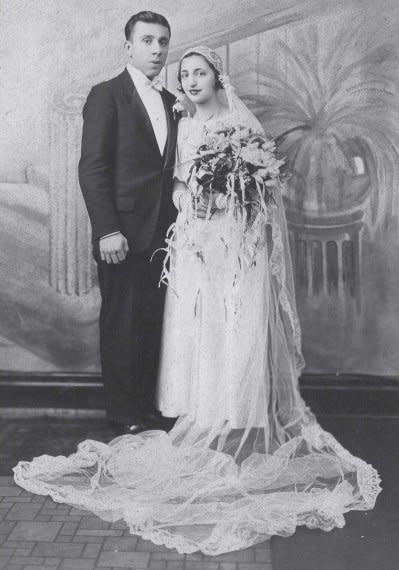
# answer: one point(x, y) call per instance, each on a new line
point(246, 458)
point(217, 330)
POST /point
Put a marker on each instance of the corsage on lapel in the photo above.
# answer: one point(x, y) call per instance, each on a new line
point(178, 108)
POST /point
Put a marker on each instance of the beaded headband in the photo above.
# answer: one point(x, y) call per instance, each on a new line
point(206, 52)
point(211, 57)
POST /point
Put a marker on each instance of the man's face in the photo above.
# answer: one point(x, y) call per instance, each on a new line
point(148, 48)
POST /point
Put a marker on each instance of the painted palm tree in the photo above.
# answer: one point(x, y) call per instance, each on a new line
point(336, 117)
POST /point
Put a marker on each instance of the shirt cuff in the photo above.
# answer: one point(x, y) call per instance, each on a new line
point(109, 235)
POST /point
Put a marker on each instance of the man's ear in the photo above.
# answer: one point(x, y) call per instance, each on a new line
point(128, 46)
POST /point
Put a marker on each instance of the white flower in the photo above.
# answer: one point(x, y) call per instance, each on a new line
point(269, 145)
point(178, 107)
point(254, 155)
point(245, 132)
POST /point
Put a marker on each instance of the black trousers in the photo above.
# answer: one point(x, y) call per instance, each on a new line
point(130, 334)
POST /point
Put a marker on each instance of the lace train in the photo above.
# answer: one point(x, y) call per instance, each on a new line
point(177, 490)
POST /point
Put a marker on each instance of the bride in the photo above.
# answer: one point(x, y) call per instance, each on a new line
point(246, 458)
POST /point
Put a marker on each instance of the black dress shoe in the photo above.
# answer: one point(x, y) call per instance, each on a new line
point(158, 421)
point(154, 417)
point(137, 428)
point(128, 428)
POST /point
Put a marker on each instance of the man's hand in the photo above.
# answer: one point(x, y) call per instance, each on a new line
point(113, 248)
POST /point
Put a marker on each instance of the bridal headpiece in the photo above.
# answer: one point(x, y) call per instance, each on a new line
point(209, 54)
point(211, 57)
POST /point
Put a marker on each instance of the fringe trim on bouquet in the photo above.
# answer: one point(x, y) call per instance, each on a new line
point(264, 211)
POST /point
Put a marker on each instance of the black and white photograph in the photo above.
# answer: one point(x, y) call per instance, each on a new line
point(199, 331)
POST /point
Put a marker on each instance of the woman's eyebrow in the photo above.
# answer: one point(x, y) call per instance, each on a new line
point(196, 69)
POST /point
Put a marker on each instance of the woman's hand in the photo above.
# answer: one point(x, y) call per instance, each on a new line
point(181, 196)
point(202, 206)
point(207, 204)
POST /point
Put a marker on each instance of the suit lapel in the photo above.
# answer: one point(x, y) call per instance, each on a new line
point(172, 131)
point(139, 110)
point(144, 121)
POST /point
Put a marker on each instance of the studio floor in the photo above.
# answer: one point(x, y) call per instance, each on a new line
point(37, 533)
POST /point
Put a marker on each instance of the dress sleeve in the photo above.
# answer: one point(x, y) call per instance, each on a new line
point(179, 173)
point(181, 169)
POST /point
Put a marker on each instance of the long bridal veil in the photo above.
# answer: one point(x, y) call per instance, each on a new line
point(237, 481)
point(229, 480)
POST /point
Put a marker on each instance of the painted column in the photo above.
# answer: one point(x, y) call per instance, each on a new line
point(71, 263)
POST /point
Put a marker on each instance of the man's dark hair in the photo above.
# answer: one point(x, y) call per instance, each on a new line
point(147, 17)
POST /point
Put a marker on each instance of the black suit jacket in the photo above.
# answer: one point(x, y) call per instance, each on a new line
point(125, 181)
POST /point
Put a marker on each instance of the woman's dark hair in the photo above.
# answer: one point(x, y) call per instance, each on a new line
point(147, 17)
point(218, 83)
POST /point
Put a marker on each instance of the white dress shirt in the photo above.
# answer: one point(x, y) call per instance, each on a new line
point(152, 100)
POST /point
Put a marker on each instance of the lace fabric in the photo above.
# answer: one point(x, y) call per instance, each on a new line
point(196, 496)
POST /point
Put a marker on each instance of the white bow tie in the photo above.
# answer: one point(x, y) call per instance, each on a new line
point(155, 84)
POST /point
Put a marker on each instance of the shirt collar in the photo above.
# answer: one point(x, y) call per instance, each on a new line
point(140, 79)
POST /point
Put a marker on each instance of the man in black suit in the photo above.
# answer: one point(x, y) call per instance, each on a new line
point(126, 173)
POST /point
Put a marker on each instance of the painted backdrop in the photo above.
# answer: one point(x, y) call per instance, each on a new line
point(323, 79)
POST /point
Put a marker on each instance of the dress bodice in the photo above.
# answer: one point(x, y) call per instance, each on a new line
point(189, 137)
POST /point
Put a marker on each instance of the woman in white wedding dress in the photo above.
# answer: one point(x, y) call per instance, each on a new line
point(246, 458)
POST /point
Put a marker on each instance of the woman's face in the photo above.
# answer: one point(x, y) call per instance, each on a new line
point(197, 79)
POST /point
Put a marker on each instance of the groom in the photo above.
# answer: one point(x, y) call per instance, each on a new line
point(125, 173)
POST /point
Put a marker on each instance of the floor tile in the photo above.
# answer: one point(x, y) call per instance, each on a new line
point(124, 559)
point(58, 550)
point(122, 544)
point(35, 531)
point(23, 512)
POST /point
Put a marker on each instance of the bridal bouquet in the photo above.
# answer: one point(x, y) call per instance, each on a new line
point(240, 165)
